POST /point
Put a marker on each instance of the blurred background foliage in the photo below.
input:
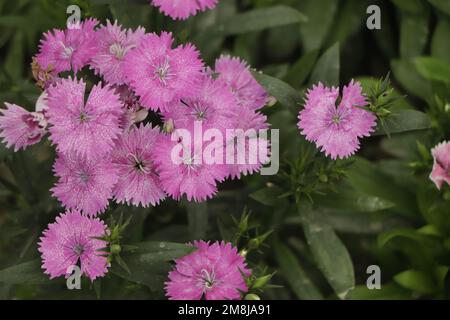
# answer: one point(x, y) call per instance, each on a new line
point(376, 208)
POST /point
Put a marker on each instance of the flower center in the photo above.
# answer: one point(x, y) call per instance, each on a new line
point(83, 117)
point(67, 52)
point(78, 249)
point(336, 119)
point(118, 50)
point(138, 164)
point(198, 110)
point(162, 72)
point(84, 176)
point(208, 278)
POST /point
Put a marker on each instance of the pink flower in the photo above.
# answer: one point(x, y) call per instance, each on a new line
point(88, 128)
point(70, 49)
point(236, 74)
point(133, 155)
point(84, 184)
point(21, 128)
point(177, 9)
point(188, 174)
point(214, 106)
point(251, 150)
point(336, 130)
point(161, 75)
point(441, 166)
point(213, 272)
point(70, 241)
point(114, 44)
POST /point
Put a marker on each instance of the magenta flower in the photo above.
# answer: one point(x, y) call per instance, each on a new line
point(251, 150)
point(70, 241)
point(189, 174)
point(88, 128)
point(21, 128)
point(212, 272)
point(236, 74)
point(161, 75)
point(70, 49)
point(114, 44)
point(214, 106)
point(133, 155)
point(177, 9)
point(336, 130)
point(84, 184)
point(441, 166)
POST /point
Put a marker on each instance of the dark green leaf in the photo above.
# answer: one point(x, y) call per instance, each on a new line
point(327, 68)
point(296, 277)
point(329, 252)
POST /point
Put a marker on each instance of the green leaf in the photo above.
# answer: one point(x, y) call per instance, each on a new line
point(350, 18)
point(404, 121)
point(284, 93)
point(260, 19)
point(390, 291)
point(433, 69)
point(443, 5)
point(411, 6)
point(416, 281)
point(405, 73)
point(150, 262)
point(327, 68)
point(301, 69)
point(329, 252)
point(26, 273)
point(413, 34)
point(440, 46)
point(14, 62)
point(320, 15)
point(295, 275)
point(267, 196)
point(365, 177)
point(198, 219)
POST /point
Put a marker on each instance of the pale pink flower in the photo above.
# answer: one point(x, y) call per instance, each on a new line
point(160, 75)
point(88, 128)
point(212, 272)
point(20, 128)
point(84, 184)
point(441, 165)
point(336, 129)
point(189, 174)
point(133, 156)
point(114, 45)
point(236, 74)
point(71, 241)
point(70, 49)
point(182, 9)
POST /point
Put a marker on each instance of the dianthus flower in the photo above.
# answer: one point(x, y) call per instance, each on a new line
point(161, 75)
point(212, 272)
point(336, 129)
point(71, 241)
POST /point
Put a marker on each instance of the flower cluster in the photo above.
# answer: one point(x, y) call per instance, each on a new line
point(106, 148)
point(213, 272)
